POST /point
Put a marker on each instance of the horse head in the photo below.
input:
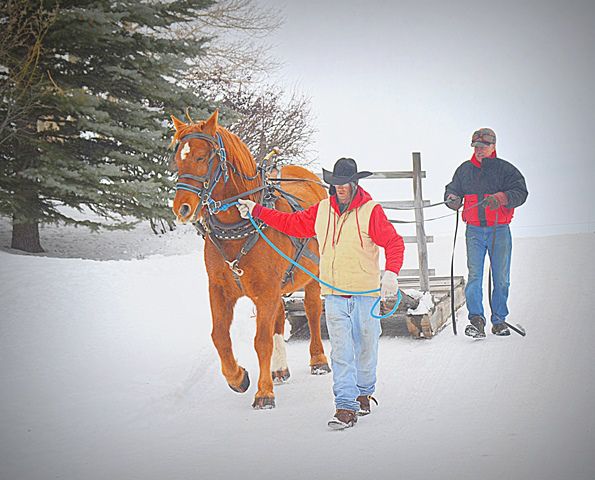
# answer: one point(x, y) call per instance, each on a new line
point(207, 156)
point(197, 156)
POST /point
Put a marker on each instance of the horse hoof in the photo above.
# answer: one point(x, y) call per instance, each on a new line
point(244, 385)
point(263, 403)
point(281, 376)
point(320, 369)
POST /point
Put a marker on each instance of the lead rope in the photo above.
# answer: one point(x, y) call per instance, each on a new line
point(308, 272)
point(518, 329)
point(491, 264)
point(452, 277)
point(452, 263)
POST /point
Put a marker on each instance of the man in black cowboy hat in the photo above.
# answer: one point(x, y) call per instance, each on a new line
point(350, 228)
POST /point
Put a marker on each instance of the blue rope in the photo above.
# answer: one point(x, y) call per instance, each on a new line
point(308, 272)
point(226, 206)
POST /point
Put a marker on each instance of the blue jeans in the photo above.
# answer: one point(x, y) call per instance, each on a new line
point(354, 335)
point(479, 241)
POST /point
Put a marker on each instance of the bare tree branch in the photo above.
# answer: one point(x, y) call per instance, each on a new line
point(237, 30)
point(238, 16)
point(267, 117)
point(232, 75)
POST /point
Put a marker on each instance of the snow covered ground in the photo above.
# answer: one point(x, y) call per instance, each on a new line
point(107, 371)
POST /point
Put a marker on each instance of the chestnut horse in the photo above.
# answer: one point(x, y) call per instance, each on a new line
point(214, 168)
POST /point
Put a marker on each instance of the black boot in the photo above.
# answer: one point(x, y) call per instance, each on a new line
point(500, 329)
point(476, 328)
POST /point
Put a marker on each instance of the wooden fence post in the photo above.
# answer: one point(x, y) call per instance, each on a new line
point(422, 247)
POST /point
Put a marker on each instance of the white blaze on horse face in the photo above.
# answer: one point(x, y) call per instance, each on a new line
point(279, 358)
point(185, 151)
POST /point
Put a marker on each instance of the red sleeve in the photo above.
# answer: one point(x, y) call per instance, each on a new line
point(383, 234)
point(297, 224)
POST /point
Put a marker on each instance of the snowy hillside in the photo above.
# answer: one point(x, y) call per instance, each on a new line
point(107, 371)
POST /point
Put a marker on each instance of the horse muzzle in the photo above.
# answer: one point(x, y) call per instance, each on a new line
point(186, 214)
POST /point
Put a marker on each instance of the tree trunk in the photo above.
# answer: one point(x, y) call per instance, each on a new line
point(26, 209)
point(25, 236)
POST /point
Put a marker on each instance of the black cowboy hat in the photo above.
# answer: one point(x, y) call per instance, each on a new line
point(344, 171)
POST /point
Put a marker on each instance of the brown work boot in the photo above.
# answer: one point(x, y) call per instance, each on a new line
point(343, 419)
point(364, 404)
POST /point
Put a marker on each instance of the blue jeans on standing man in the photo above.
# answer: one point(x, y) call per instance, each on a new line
point(354, 335)
point(479, 241)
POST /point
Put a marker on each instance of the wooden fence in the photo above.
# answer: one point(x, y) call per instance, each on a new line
point(423, 325)
point(423, 272)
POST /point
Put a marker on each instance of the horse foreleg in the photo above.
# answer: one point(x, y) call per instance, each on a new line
point(313, 306)
point(222, 314)
point(266, 309)
point(279, 368)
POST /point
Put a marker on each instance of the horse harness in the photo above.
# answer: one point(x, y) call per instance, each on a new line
point(216, 231)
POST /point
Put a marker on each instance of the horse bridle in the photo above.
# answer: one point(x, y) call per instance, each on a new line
point(209, 181)
point(212, 177)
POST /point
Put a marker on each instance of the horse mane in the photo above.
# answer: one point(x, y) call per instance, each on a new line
point(241, 158)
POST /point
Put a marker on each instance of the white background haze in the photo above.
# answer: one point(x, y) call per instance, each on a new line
point(107, 370)
point(389, 78)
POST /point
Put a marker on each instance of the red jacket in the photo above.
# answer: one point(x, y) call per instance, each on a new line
point(301, 224)
point(473, 181)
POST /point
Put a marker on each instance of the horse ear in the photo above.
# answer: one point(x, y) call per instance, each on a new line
point(178, 124)
point(211, 124)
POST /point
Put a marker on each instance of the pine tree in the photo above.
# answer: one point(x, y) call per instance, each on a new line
point(93, 135)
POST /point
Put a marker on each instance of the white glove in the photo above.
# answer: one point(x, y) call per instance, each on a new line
point(389, 285)
point(245, 207)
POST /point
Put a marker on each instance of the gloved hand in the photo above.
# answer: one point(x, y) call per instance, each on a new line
point(245, 207)
point(453, 201)
point(389, 285)
point(496, 200)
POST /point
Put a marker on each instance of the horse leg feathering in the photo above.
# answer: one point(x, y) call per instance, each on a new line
point(279, 368)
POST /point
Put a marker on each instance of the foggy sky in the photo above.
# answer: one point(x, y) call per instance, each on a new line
point(389, 78)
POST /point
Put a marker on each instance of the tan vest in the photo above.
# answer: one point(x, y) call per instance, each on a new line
point(344, 262)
